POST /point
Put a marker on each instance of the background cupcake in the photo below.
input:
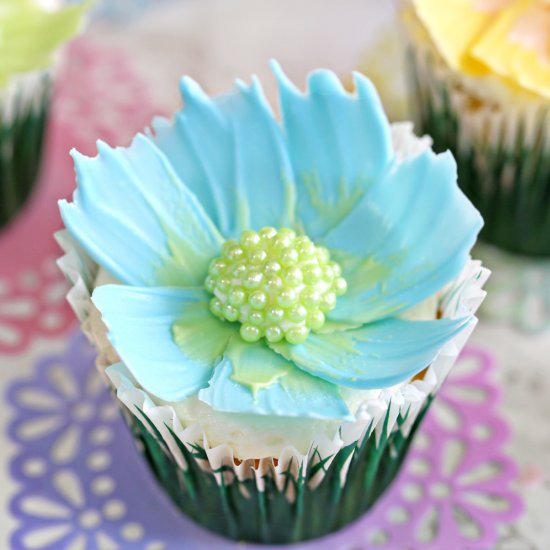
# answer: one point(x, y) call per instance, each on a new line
point(30, 35)
point(480, 82)
point(274, 324)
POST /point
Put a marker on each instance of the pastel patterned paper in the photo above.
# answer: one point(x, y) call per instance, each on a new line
point(86, 492)
point(508, 38)
point(32, 290)
point(31, 34)
point(156, 214)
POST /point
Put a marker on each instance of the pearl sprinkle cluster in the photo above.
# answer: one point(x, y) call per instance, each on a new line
point(276, 284)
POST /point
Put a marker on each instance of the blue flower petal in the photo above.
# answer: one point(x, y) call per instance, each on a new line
point(252, 378)
point(136, 219)
point(408, 237)
point(374, 356)
point(339, 144)
point(230, 152)
point(167, 337)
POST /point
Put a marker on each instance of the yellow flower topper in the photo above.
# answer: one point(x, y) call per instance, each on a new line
point(510, 38)
point(517, 45)
point(29, 34)
point(453, 26)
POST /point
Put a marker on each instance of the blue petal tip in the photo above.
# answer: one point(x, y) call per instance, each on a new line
point(282, 79)
point(324, 81)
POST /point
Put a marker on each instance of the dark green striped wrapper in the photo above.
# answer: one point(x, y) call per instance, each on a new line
point(509, 182)
point(21, 143)
point(239, 510)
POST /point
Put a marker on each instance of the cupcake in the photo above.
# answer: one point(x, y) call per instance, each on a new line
point(480, 86)
point(30, 36)
point(276, 304)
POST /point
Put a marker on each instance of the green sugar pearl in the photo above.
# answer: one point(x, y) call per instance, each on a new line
point(277, 285)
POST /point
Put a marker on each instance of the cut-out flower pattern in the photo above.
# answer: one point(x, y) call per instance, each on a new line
point(32, 290)
point(32, 303)
point(59, 407)
point(455, 488)
point(470, 385)
point(109, 100)
point(71, 514)
point(450, 490)
point(93, 498)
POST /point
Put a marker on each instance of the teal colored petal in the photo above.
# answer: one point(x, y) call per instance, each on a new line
point(339, 144)
point(230, 152)
point(409, 236)
point(375, 356)
point(252, 378)
point(137, 220)
point(166, 337)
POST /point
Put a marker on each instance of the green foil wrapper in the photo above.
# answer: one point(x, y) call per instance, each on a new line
point(22, 129)
point(238, 509)
point(503, 163)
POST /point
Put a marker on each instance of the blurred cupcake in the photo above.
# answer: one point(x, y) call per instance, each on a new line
point(481, 88)
point(276, 304)
point(30, 34)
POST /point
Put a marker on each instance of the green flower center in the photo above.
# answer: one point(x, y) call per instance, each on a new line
point(276, 284)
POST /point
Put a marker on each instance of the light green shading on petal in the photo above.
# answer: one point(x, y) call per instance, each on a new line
point(339, 143)
point(137, 220)
point(201, 336)
point(409, 236)
point(166, 336)
point(251, 378)
point(332, 212)
point(252, 367)
point(230, 152)
point(364, 273)
point(375, 356)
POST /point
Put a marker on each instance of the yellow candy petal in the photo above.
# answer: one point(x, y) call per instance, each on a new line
point(510, 56)
point(30, 34)
point(453, 26)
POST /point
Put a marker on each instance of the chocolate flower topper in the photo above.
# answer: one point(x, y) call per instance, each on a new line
point(264, 264)
point(31, 33)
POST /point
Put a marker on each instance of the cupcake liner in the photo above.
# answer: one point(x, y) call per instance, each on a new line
point(281, 502)
point(294, 496)
point(24, 110)
point(500, 138)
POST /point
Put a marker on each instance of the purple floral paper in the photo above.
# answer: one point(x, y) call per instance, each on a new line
point(82, 485)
